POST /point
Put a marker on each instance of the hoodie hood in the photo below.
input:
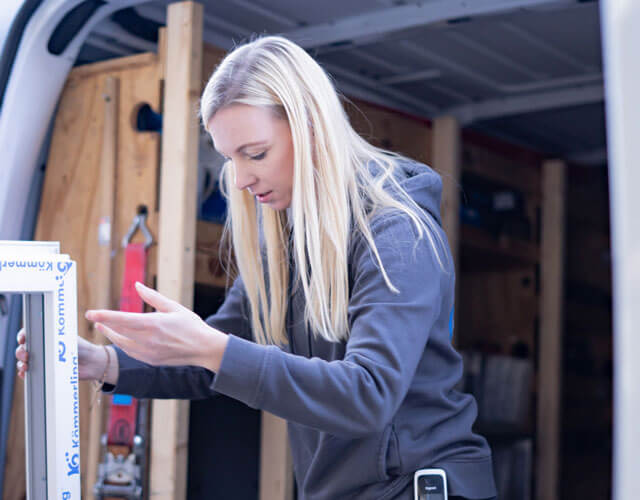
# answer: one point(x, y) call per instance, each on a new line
point(423, 184)
point(420, 182)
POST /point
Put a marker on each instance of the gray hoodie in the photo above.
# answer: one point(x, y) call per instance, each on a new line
point(363, 415)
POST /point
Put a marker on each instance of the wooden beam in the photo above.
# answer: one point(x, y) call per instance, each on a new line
point(276, 468)
point(446, 160)
point(554, 175)
point(103, 262)
point(177, 227)
point(162, 51)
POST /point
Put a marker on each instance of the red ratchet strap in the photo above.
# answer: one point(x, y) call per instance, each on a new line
point(123, 471)
point(122, 415)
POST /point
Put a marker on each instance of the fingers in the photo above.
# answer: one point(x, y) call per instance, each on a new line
point(22, 369)
point(130, 323)
point(127, 322)
point(21, 364)
point(127, 345)
point(156, 299)
point(22, 354)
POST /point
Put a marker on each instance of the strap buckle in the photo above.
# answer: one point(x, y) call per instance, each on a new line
point(139, 221)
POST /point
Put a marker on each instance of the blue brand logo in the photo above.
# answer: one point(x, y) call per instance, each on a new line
point(66, 495)
point(73, 463)
point(61, 350)
point(63, 267)
point(38, 264)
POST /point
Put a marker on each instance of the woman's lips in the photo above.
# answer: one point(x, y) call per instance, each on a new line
point(263, 198)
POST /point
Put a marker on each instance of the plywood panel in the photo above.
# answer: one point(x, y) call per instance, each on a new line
point(70, 208)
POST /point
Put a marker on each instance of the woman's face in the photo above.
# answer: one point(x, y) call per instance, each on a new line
point(260, 147)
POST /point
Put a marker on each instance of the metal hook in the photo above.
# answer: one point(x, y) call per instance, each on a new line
point(139, 221)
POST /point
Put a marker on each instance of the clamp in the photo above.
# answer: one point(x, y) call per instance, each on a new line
point(139, 221)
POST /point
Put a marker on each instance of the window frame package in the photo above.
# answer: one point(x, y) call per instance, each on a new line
point(48, 282)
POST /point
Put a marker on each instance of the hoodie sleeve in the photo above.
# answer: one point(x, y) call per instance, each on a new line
point(389, 331)
point(142, 380)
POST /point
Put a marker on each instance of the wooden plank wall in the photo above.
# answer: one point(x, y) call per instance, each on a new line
point(71, 204)
point(498, 299)
point(498, 308)
point(136, 180)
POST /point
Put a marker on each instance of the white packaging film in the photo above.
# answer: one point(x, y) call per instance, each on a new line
point(37, 268)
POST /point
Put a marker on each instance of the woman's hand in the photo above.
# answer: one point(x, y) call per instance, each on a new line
point(173, 335)
point(92, 358)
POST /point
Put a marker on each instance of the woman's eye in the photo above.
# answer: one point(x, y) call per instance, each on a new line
point(260, 156)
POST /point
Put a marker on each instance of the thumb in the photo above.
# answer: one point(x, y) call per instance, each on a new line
point(156, 300)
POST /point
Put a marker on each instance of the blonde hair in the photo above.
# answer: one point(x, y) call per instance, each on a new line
point(334, 192)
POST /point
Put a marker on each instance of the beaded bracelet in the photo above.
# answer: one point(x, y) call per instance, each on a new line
point(100, 384)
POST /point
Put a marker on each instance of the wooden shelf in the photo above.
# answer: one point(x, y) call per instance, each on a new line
point(482, 162)
point(480, 249)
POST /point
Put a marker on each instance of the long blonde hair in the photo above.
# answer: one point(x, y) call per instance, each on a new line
point(335, 193)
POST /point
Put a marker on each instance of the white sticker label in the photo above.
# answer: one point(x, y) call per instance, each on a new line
point(104, 231)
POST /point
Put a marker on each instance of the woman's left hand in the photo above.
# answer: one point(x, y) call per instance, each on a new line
point(173, 335)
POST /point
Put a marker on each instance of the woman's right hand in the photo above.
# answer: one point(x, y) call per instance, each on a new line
point(92, 358)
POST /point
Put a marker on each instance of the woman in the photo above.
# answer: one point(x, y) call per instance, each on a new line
point(340, 318)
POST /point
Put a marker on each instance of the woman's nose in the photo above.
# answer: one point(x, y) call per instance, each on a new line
point(243, 179)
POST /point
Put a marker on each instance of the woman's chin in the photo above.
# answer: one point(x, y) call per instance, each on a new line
point(279, 205)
